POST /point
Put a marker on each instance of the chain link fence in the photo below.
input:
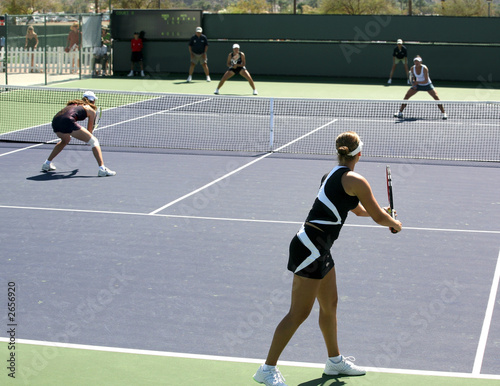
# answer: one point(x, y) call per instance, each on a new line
point(40, 49)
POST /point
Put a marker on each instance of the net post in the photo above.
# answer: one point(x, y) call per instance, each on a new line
point(45, 50)
point(6, 49)
point(271, 124)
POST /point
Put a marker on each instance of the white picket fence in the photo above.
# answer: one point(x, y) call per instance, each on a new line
point(20, 60)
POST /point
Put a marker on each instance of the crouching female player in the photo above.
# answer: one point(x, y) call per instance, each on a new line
point(65, 126)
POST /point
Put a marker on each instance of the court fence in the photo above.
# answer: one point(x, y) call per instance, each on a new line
point(41, 44)
point(53, 60)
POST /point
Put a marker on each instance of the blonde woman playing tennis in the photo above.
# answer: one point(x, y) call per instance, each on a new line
point(342, 190)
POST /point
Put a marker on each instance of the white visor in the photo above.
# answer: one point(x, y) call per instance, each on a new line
point(357, 150)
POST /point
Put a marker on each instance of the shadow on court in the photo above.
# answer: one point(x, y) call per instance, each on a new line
point(326, 380)
point(51, 176)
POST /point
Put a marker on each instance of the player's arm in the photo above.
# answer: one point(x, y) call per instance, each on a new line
point(356, 185)
point(426, 75)
point(91, 116)
point(229, 64)
point(243, 60)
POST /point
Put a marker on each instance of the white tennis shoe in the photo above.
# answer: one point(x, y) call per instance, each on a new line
point(399, 114)
point(270, 377)
point(208, 78)
point(190, 78)
point(445, 116)
point(345, 366)
point(48, 167)
point(105, 172)
point(255, 92)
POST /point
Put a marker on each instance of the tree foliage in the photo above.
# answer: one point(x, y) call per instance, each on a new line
point(464, 8)
point(358, 7)
point(349, 7)
point(26, 7)
point(249, 6)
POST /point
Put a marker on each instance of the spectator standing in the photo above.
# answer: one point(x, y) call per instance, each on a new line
point(31, 44)
point(198, 47)
point(137, 46)
point(73, 46)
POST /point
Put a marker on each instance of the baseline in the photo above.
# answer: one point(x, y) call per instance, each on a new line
point(478, 362)
point(241, 360)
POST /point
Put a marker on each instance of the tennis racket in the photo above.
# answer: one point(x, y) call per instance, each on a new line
point(97, 118)
point(389, 195)
point(411, 77)
point(234, 60)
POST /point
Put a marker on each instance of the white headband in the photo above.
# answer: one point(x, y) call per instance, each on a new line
point(357, 150)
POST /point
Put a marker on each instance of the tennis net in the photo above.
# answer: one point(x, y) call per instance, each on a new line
point(257, 124)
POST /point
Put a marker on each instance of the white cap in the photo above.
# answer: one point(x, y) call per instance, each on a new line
point(90, 96)
point(236, 46)
point(400, 41)
point(417, 58)
point(199, 29)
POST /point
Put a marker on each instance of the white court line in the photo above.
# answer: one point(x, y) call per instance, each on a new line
point(240, 360)
point(239, 169)
point(478, 362)
point(114, 124)
point(250, 220)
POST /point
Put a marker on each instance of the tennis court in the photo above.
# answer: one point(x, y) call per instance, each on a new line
point(173, 272)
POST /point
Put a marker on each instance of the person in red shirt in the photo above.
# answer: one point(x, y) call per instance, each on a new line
point(136, 45)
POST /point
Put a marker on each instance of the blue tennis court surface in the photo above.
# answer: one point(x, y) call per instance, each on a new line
point(186, 252)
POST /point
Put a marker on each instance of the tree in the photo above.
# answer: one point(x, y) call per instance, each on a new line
point(249, 6)
point(464, 8)
point(358, 7)
point(27, 7)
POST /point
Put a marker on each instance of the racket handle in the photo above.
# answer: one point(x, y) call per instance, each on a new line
point(392, 214)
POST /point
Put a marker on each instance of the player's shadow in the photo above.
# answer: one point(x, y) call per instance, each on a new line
point(402, 120)
point(326, 380)
point(52, 176)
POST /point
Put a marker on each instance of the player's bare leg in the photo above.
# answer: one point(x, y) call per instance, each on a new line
point(328, 299)
point(304, 292)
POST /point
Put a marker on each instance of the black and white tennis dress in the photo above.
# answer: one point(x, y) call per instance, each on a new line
point(310, 248)
point(237, 70)
point(65, 121)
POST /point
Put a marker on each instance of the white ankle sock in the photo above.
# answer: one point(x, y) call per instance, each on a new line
point(336, 359)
